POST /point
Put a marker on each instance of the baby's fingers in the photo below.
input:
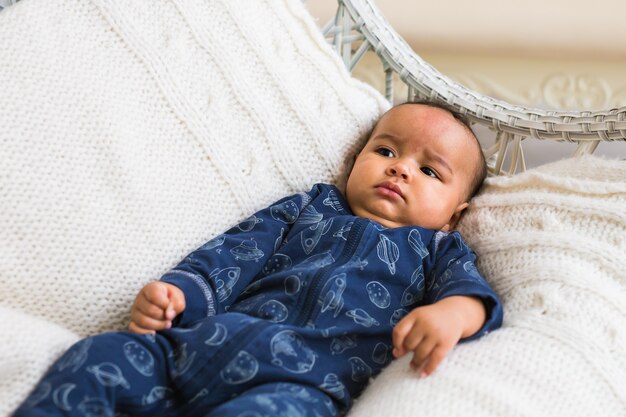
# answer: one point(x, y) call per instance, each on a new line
point(148, 323)
point(437, 355)
point(156, 293)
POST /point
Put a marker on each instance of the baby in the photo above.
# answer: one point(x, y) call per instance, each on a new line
point(292, 311)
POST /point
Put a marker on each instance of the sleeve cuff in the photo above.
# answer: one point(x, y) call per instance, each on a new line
point(200, 301)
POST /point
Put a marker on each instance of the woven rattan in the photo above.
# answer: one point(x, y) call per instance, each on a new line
point(359, 27)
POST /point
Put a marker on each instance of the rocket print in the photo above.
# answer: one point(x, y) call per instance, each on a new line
point(225, 279)
point(291, 353)
point(317, 261)
point(331, 295)
point(242, 368)
point(414, 292)
point(378, 294)
point(311, 236)
point(388, 252)
point(415, 242)
point(333, 201)
point(286, 212)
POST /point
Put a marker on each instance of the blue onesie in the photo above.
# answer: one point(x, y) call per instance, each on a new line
point(289, 313)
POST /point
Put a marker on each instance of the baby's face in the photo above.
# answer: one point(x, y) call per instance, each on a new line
point(415, 169)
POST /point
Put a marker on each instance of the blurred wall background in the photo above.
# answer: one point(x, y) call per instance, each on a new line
point(554, 54)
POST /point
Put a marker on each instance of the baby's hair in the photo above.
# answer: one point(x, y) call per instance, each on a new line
point(481, 169)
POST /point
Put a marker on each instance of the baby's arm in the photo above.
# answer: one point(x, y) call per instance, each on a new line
point(431, 331)
point(155, 306)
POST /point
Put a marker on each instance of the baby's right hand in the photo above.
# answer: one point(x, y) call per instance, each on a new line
point(156, 305)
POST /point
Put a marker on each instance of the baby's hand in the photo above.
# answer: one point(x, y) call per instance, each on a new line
point(430, 332)
point(155, 307)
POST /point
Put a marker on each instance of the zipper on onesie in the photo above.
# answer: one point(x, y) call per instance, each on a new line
point(321, 276)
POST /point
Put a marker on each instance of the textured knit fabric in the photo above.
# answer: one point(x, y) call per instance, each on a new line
point(552, 242)
point(302, 292)
point(133, 131)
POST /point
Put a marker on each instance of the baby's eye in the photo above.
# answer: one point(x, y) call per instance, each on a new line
point(429, 172)
point(386, 152)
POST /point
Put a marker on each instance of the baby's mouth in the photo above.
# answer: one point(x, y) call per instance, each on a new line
point(390, 189)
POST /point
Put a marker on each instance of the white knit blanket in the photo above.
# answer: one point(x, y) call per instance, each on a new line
point(133, 131)
point(552, 242)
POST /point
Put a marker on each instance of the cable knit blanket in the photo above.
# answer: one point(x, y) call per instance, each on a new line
point(552, 242)
point(133, 131)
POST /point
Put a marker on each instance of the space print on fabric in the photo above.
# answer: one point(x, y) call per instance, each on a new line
point(415, 242)
point(342, 343)
point(310, 215)
point(139, 357)
point(333, 385)
point(331, 296)
point(292, 285)
point(317, 261)
point(182, 360)
point(225, 279)
point(362, 318)
point(397, 316)
point(213, 243)
point(274, 311)
point(286, 212)
point(108, 374)
point(382, 354)
point(378, 294)
point(414, 292)
point(323, 350)
point(312, 235)
point(156, 394)
point(242, 368)
point(333, 201)
point(343, 231)
point(248, 224)
point(248, 250)
point(218, 337)
point(290, 352)
point(388, 252)
point(277, 263)
point(76, 356)
point(361, 372)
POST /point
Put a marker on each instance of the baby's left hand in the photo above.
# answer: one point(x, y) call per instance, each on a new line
point(430, 332)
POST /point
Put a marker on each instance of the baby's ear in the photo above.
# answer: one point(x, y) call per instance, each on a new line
point(455, 217)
